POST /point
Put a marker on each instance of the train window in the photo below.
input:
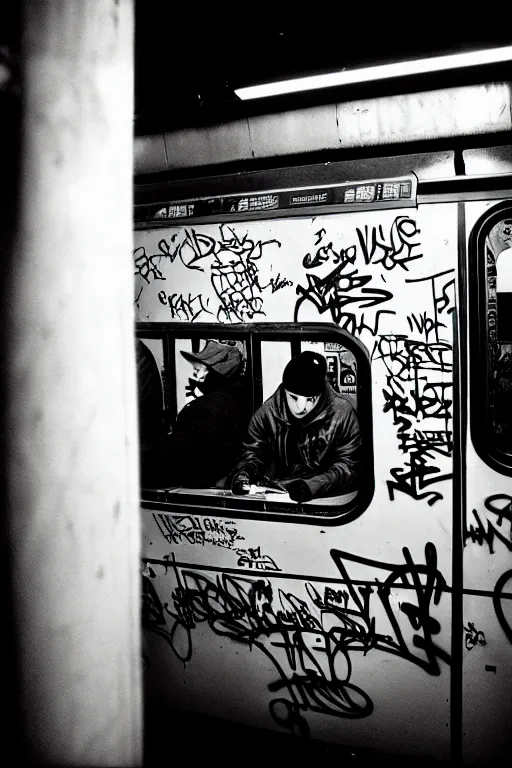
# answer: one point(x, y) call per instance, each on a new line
point(272, 355)
point(341, 368)
point(491, 336)
point(234, 441)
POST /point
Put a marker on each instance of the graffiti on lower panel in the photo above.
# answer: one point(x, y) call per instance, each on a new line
point(253, 559)
point(473, 636)
point(502, 600)
point(492, 525)
point(189, 529)
point(212, 531)
point(312, 634)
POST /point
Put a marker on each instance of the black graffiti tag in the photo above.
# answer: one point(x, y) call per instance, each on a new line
point(417, 390)
point(357, 324)
point(197, 530)
point(499, 504)
point(183, 307)
point(235, 276)
point(232, 263)
point(327, 253)
point(309, 641)
point(336, 291)
point(498, 598)
point(473, 636)
point(402, 248)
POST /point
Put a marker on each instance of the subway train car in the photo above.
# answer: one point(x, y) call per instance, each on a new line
point(374, 613)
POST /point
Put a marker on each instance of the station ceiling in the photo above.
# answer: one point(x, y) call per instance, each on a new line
point(187, 66)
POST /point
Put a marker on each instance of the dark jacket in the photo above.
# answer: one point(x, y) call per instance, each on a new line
point(328, 442)
point(150, 393)
point(206, 439)
point(151, 414)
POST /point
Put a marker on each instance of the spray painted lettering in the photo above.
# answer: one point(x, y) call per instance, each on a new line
point(504, 617)
point(417, 393)
point(403, 244)
point(473, 636)
point(254, 560)
point(198, 530)
point(182, 307)
point(310, 640)
point(146, 267)
point(343, 287)
point(494, 527)
point(231, 261)
point(338, 290)
point(234, 276)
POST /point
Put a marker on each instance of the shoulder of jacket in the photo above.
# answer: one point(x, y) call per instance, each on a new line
point(341, 400)
point(342, 406)
point(212, 401)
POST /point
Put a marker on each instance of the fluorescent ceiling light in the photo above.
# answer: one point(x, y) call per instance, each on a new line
point(381, 72)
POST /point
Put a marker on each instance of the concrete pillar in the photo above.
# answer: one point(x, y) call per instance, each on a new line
point(72, 483)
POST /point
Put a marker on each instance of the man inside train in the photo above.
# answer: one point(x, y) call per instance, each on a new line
point(305, 439)
point(208, 431)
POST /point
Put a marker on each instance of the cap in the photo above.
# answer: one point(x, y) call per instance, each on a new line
point(221, 358)
point(305, 375)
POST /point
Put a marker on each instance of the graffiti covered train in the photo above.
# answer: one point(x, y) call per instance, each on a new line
point(389, 604)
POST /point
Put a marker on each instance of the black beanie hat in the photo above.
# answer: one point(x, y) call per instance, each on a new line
point(305, 375)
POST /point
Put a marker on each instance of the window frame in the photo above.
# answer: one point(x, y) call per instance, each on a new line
point(254, 333)
point(482, 434)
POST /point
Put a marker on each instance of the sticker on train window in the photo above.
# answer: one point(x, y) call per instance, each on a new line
point(490, 292)
point(262, 420)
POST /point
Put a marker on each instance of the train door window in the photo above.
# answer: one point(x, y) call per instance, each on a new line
point(217, 377)
point(273, 353)
point(341, 367)
point(491, 336)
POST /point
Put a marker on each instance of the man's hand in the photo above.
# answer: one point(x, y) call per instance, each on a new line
point(241, 484)
point(298, 490)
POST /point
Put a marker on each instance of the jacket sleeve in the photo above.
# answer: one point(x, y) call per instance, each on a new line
point(344, 459)
point(256, 449)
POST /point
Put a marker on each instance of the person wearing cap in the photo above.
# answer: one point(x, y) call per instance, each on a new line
point(208, 432)
point(305, 436)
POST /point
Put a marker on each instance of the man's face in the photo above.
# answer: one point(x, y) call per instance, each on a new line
point(199, 372)
point(299, 405)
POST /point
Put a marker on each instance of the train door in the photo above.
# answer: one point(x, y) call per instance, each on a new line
point(487, 512)
point(332, 618)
